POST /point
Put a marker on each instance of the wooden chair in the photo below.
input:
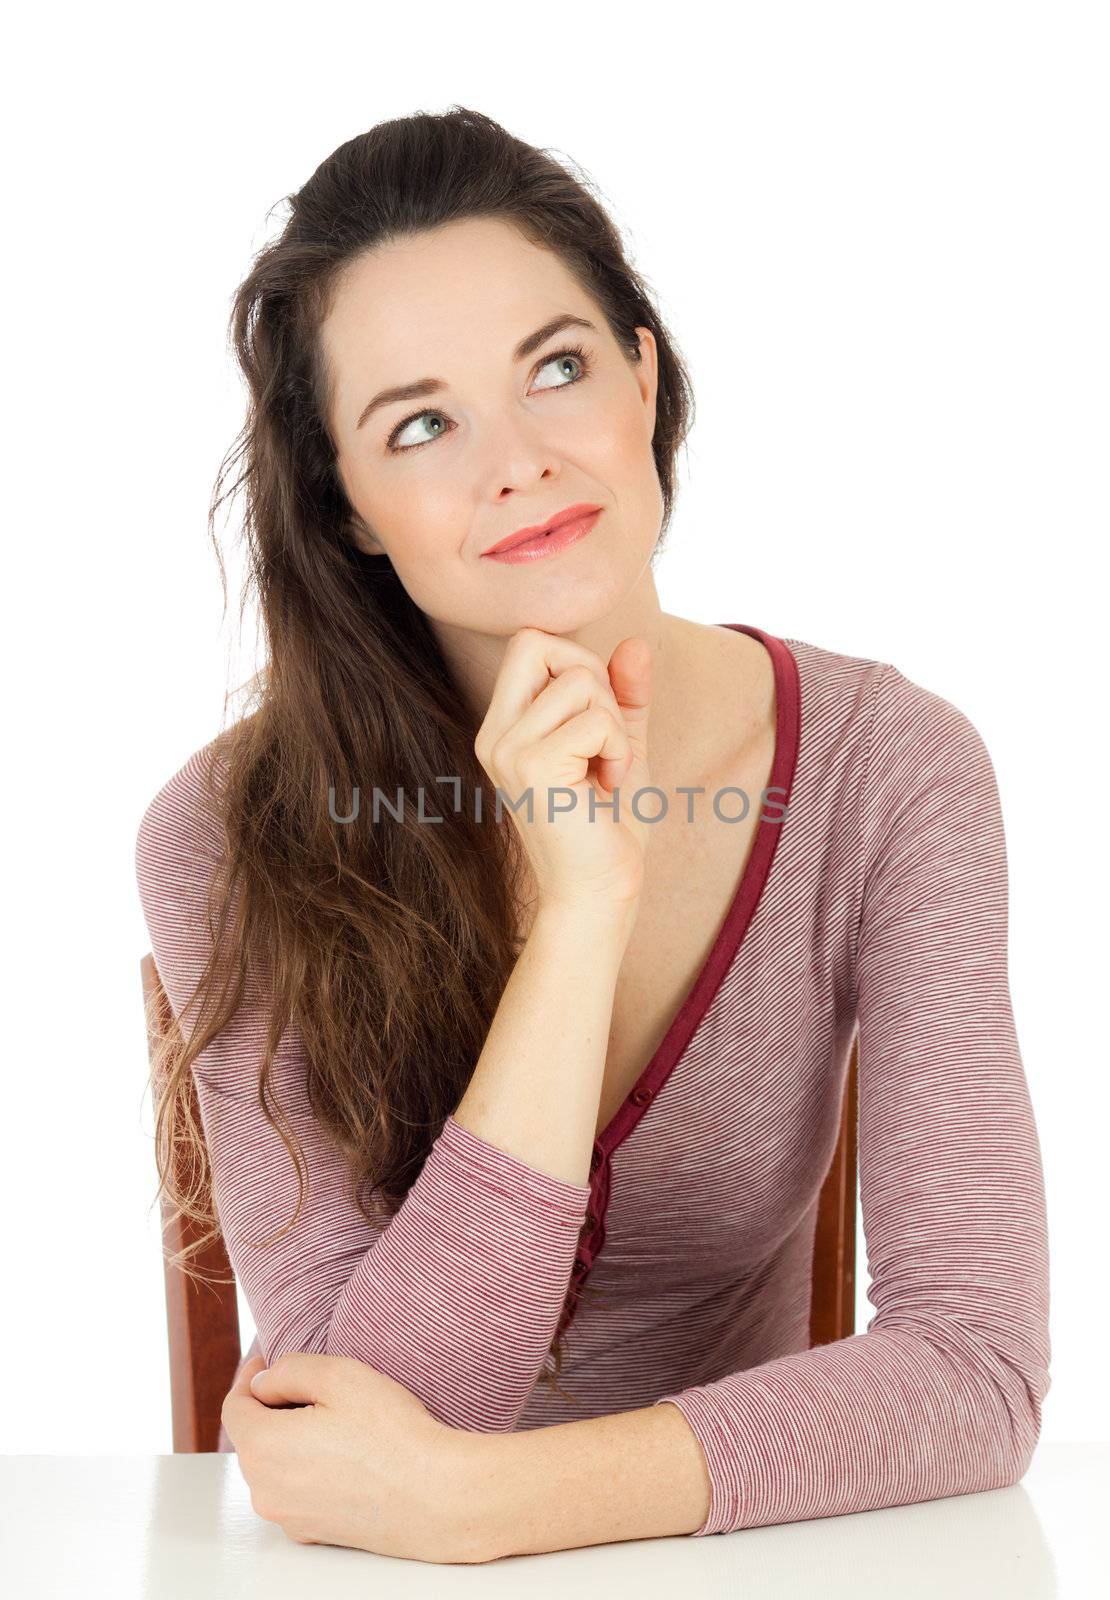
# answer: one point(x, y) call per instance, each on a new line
point(203, 1320)
point(832, 1313)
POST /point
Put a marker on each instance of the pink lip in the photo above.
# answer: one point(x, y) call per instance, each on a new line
point(546, 543)
point(568, 514)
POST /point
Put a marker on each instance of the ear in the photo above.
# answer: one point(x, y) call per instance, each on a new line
point(647, 374)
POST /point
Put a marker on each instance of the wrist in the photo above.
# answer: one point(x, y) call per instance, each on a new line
point(477, 1493)
point(610, 920)
point(638, 1474)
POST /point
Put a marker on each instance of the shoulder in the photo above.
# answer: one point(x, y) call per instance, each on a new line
point(899, 718)
point(912, 760)
point(837, 691)
point(931, 810)
point(907, 712)
point(181, 831)
point(180, 848)
point(920, 740)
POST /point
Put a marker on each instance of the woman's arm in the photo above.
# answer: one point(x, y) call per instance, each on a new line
point(557, 1008)
point(457, 1296)
point(634, 1475)
point(358, 1462)
point(942, 1394)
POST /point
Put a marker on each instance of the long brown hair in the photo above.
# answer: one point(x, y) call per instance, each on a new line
point(386, 947)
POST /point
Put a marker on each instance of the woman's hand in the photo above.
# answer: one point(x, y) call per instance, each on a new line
point(561, 718)
point(358, 1461)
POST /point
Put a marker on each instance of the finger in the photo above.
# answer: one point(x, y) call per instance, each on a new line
point(239, 1401)
point(242, 1383)
point(575, 690)
point(593, 735)
point(299, 1378)
point(532, 659)
point(630, 670)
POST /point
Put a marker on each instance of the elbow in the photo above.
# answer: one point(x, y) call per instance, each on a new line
point(1008, 1409)
point(1020, 1369)
point(292, 1321)
point(1023, 1395)
point(1001, 1385)
point(1020, 1461)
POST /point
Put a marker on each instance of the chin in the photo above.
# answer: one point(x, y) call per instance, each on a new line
point(567, 607)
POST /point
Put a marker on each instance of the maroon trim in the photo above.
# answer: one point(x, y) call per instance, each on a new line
point(717, 963)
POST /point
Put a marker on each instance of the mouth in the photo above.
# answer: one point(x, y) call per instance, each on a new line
point(542, 545)
point(540, 536)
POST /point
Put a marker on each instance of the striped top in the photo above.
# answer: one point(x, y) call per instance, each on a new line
point(876, 900)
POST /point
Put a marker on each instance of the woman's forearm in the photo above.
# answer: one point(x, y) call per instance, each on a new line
point(633, 1475)
point(537, 1085)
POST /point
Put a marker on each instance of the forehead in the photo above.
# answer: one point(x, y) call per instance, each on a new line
point(400, 311)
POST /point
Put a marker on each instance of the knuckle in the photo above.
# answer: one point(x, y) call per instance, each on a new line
point(581, 674)
point(523, 640)
point(530, 765)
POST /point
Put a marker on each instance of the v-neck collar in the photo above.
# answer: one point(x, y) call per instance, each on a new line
point(741, 910)
point(720, 958)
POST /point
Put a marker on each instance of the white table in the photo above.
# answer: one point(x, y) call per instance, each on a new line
point(180, 1527)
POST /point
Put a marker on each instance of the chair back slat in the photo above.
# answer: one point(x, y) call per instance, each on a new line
point(833, 1304)
point(202, 1318)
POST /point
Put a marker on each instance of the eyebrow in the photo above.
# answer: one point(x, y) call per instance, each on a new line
point(426, 386)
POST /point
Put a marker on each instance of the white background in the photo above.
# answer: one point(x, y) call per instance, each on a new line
point(878, 233)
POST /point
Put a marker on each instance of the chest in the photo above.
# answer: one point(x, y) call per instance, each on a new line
point(694, 870)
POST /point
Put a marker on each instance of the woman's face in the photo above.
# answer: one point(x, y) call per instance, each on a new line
point(503, 442)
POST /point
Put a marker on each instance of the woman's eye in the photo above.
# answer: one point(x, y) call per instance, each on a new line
point(577, 357)
point(398, 433)
point(564, 355)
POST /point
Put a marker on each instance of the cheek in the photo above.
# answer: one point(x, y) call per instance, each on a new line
point(427, 546)
point(419, 521)
point(620, 439)
point(433, 531)
point(633, 474)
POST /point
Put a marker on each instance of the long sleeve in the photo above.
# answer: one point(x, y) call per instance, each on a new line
point(942, 1394)
point(456, 1296)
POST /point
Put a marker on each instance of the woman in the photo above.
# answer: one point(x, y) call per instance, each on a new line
point(482, 1084)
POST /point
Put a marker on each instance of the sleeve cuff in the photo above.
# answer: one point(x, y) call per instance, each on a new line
point(474, 1157)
